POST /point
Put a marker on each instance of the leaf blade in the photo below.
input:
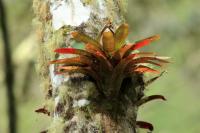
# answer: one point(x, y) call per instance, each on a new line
point(145, 125)
point(121, 35)
point(150, 98)
point(81, 37)
point(144, 42)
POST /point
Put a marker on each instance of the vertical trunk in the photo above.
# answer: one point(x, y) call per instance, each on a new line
point(8, 70)
point(71, 98)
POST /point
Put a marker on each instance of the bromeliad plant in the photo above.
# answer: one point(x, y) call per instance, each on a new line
point(109, 62)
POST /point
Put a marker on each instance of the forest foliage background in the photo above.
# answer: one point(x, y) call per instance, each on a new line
point(177, 21)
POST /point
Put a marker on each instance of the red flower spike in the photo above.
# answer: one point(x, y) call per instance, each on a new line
point(145, 125)
point(150, 98)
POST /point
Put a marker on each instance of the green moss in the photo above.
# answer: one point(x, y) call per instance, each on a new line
point(42, 66)
point(50, 104)
point(63, 94)
point(123, 5)
point(90, 89)
point(46, 85)
point(55, 42)
point(41, 9)
point(110, 6)
point(57, 126)
point(87, 2)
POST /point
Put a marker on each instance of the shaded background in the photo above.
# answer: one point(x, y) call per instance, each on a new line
point(177, 21)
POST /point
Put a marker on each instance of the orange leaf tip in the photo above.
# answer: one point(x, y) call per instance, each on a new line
point(74, 33)
point(154, 38)
point(146, 69)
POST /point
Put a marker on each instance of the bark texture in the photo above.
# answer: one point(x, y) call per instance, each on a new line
point(73, 100)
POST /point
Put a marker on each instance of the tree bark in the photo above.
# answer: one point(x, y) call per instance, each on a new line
point(71, 99)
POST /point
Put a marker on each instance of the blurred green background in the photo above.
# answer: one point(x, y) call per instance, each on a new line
point(177, 21)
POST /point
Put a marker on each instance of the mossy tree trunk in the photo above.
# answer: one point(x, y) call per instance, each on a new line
point(71, 99)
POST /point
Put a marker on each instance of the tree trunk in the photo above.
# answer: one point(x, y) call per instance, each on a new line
point(9, 73)
point(71, 99)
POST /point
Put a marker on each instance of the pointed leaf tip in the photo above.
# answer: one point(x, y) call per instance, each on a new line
point(65, 50)
point(145, 69)
point(81, 37)
point(121, 35)
point(154, 38)
point(150, 98)
point(154, 79)
point(145, 125)
point(154, 97)
point(144, 42)
point(43, 110)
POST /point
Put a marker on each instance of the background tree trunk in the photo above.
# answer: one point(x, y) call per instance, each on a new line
point(70, 98)
point(9, 74)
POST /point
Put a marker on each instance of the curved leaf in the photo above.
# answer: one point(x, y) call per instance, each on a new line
point(144, 42)
point(154, 58)
point(153, 79)
point(150, 98)
point(141, 69)
point(123, 51)
point(80, 60)
point(145, 125)
point(101, 56)
point(85, 39)
point(91, 54)
point(72, 51)
point(119, 54)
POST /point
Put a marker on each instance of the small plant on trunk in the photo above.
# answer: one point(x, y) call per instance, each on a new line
point(114, 67)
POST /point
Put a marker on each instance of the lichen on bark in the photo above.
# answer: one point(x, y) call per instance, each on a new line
point(71, 98)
